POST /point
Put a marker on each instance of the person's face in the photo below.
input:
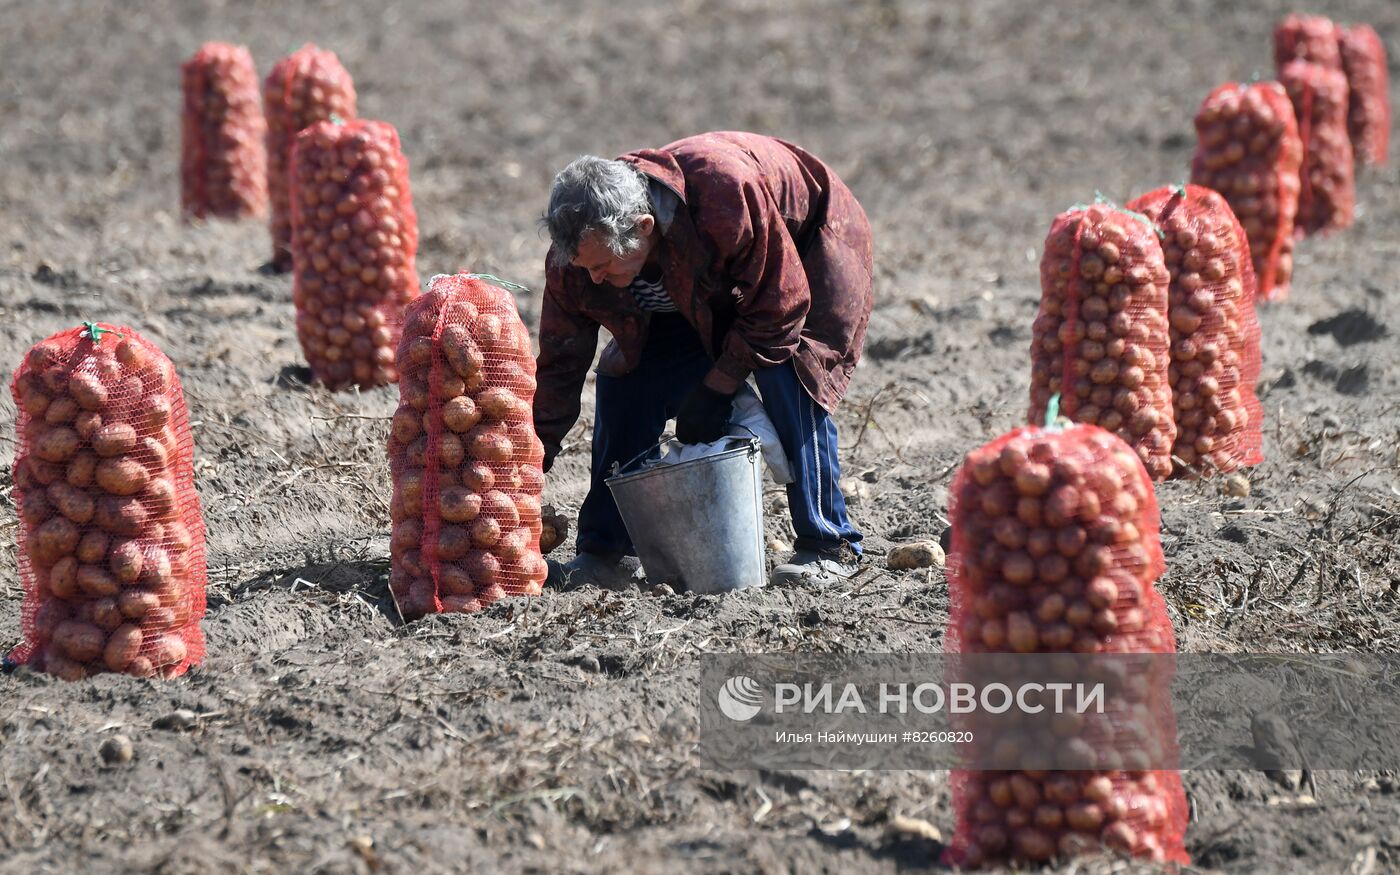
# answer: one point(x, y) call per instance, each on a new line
point(615, 270)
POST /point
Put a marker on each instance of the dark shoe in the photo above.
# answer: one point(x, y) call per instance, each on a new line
point(819, 567)
point(554, 579)
point(604, 572)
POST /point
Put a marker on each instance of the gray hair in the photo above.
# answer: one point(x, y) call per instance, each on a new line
point(596, 194)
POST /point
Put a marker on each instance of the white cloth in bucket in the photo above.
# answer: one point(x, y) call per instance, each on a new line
point(748, 419)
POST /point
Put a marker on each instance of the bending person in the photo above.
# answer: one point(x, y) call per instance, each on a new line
point(716, 258)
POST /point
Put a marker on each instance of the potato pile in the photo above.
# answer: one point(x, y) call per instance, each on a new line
point(1307, 38)
point(1248, 149)
point(112, 539)
point(223, 159)
point(306, 87)
point(1100, 338)
point(1055, 550)
point(463, 453)
point(1327, 196)
point(1215, 358)
point(354, 244)
point(1368, 110)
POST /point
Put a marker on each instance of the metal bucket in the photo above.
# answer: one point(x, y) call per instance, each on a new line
point(698, 524)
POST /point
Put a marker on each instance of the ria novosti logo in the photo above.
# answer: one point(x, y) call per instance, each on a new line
point(740, 698)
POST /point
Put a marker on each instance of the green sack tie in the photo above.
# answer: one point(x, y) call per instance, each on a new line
point(1053, 420)
point(95, 331)
point(497, 281)
point(1101, 201)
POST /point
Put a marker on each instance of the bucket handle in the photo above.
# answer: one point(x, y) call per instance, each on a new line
point(618, 468)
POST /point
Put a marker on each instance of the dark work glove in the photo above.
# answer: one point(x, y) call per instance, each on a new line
point(703, 416)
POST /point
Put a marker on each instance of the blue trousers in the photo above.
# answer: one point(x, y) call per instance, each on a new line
point(632, 411)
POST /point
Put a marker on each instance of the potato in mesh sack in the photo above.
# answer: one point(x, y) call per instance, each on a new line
point(354, 249)
point(1307, 38)
point(306, 87)
point(462, 448)
point(1248, 150)
point(223, 157)
point(1100, 340)
point(1055, 550)
point(1215, 357)
point(1327, 190)
point(111, 540)
point(1368, 108)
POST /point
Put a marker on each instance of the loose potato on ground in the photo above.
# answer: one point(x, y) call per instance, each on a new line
point(919, 554)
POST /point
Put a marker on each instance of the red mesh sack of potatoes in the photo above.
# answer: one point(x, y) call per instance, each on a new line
point(1248, 150)
point(223, 158)
point(1307, 38)
point(1215, 357)
point(111, 541)
point(1056, 550)
point(1368, 108)
point(1327, 194)
point(306, 87)
point(354, 244)
point(465, 460)
point(1100, 340)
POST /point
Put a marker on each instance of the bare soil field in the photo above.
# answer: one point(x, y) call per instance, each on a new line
point(557, 734)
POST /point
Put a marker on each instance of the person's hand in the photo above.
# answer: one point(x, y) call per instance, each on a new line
point(703, 415)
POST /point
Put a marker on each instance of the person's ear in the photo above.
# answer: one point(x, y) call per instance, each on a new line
point(644, 225)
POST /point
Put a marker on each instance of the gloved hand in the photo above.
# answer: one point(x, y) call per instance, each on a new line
point(703, 415)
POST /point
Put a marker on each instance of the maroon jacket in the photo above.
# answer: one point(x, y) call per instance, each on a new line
point(768, 256)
